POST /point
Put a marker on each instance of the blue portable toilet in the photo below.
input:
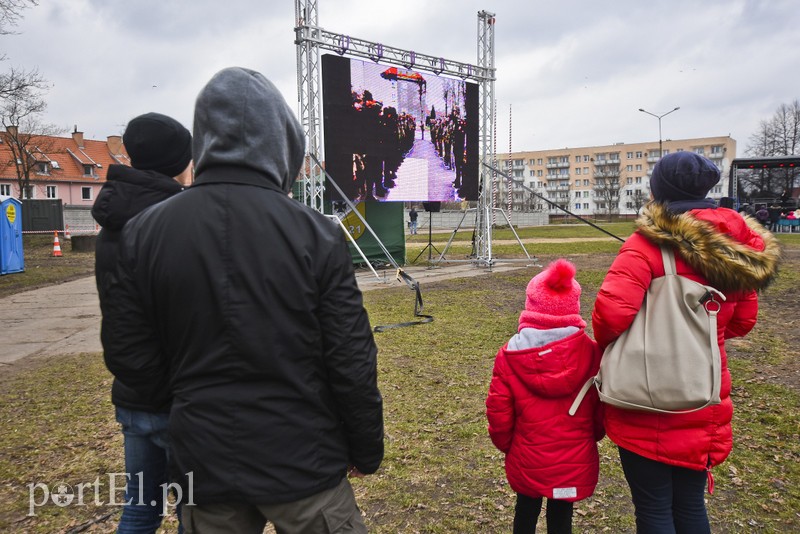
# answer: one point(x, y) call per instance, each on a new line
point(12, 259)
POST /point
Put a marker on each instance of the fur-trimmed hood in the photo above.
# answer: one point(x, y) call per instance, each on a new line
point(734, 253)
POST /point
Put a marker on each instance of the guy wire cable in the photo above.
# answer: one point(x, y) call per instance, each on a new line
point(531, 191)
point(401, 274)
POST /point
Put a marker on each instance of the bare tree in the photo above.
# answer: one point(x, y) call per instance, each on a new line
point(27, 137)
point(20, 82)
point(11, 12)
point(606, 187)
point(778, 136)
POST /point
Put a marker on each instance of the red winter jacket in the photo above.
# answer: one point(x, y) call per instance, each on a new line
point(548, 453)
point(716, 247)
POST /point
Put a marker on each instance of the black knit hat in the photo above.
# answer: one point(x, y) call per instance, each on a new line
point(683, 176)
point(158, 143)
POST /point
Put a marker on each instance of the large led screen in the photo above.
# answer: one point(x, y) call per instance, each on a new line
point(394, 134)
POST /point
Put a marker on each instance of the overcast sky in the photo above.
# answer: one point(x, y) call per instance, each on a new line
point(575, 72)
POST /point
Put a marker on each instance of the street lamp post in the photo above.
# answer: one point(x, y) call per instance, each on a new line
point(659, 117)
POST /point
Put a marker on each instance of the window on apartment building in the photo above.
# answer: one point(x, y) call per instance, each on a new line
point(42, 167)
point(578, 206)
point(577, 194)
point(586, 182)
point(538, 173)
point(577, 159)
point(717, 149)
point(585, 194)
point(577, 183)
point(552, 160)
point(586, 157)
point(88, 170)
point(629, 155)
point(519, 162)
point(51, 192)
point(629, 168)
point(563, 172)
point(586, 205)
point(666, 151)
point(678, 150)
point(601, 157)
point(577, 170)
point(638, 154)
point(86, 193)
point(563, 159)
point(699, 150)
point(5, 189)
point(586, 170)
point(539, 161)
point(531, 161)
point(638, 179)
point(519, 173)
point(628, 192)
point(629, 180)
point(638, 166)
point(531, 173)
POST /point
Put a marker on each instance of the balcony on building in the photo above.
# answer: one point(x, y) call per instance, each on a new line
point(602, 162)
point(653, 159)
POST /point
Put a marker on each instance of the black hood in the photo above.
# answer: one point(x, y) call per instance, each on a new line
point(242, 120)
point(129, 191)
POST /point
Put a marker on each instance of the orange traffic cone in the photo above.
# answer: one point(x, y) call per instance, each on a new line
point(56, 246)
point(66, 233)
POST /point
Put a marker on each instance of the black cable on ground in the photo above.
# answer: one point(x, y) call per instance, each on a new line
point(401, 274)
point(418, 305)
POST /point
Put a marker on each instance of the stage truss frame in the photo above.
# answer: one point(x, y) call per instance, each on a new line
point(310, 38)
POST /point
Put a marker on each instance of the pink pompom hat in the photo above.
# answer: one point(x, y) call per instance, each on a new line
point(553, 298)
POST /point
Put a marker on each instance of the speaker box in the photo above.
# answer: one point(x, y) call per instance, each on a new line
point(432, 207)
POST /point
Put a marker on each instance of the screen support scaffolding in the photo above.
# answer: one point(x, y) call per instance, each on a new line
point(310, 37)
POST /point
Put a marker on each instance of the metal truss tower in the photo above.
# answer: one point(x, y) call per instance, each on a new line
point(486, 201)
point(309, 38)
point(308, 95)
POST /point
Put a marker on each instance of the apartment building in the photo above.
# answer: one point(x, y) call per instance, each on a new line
point(72, 169)
point(599, 180)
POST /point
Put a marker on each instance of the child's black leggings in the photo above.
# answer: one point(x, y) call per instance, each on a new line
point(526, 514)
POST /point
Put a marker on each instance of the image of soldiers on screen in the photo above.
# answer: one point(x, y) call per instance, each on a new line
point(384, 138)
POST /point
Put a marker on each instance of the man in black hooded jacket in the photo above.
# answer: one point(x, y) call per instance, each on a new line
point(247, 301)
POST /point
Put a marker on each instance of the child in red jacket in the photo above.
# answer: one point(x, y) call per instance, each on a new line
point(537, 375)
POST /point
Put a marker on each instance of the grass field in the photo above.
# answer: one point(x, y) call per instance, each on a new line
point(441, 473)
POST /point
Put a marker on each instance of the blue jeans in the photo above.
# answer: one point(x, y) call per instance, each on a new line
point(413, 227)
point(667, 499)
point(146, 461)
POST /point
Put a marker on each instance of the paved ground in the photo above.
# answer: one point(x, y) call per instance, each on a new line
point(65, 318)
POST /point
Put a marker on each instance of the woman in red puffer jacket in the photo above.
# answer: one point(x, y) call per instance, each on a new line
point(537, 374)
point(667, 458)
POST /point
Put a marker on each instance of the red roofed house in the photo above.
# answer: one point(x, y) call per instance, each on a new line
point(72, 169)
point(69, 169)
